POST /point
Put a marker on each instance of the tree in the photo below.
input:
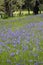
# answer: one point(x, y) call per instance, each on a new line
point(1, 8)
point(8, 7)
point(1, 5)
point(36, 7)
point(41, 5)
point(28, 4)
point(20, 4)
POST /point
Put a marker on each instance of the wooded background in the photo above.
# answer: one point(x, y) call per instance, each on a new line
point(10, 6)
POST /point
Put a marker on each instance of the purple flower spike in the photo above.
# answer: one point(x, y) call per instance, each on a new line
point(36, 63)
point(8, 61)
point(1, 43)
point(12, 54)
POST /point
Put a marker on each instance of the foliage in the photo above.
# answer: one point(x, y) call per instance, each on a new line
point(10, 6)
point(20, 3)
point(41, 1)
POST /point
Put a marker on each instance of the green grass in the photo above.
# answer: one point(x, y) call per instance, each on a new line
point(16, 23)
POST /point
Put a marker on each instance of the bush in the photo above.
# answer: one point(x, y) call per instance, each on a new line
point(5, 16)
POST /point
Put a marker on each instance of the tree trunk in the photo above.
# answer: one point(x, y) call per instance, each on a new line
point(28, 11)
point(40, 11)
point(5, 6)
point(8, 8)
point(20, 10)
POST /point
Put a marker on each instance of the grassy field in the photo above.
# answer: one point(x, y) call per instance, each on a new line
point(21, 40)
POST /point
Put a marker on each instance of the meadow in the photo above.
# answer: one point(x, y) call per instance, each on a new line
point(21, 40)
